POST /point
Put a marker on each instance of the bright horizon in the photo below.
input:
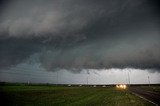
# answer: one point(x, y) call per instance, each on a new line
point(35, 74)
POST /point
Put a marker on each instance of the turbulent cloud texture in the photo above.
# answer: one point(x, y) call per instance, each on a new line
point(80, 34)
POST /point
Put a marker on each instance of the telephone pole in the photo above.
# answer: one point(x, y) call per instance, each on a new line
point(87, 80)
point(128, 79)
point(148, 80)
point(57, 78)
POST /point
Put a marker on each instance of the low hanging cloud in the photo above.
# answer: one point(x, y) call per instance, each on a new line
point(77, 35)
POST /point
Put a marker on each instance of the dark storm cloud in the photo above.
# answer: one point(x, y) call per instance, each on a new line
point(81, 34)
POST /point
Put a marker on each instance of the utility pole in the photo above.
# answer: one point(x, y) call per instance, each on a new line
point(148, 80)
point(128, 79)
point(28, 82)
point(57, 78)
point(87, 80)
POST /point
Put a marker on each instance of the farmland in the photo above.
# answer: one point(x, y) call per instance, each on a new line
point(60, 95)
point(152, 88)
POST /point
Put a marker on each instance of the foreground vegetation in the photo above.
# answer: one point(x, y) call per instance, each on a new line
point(21, 95)
point(155, 89)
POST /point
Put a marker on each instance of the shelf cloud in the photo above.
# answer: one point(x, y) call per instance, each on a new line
point(76, 35)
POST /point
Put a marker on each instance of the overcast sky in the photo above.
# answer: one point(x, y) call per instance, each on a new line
point(102, 40)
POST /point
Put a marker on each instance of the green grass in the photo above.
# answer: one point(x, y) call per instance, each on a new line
point(67, 96)
point(152, 88)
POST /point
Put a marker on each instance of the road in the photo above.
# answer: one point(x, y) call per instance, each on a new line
point(148, 95)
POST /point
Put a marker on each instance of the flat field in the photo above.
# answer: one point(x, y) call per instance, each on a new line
point(23, 95)
point(155, 89)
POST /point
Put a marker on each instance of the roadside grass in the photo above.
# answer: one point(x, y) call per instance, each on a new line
point(152, 88)
point(68, 96)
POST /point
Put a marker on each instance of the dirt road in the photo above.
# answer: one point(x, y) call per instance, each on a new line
point(148, 95)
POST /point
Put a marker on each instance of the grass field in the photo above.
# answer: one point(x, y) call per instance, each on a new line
point(152, 88)
point(70, 96)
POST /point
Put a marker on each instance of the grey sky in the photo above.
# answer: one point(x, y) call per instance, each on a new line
point(77, 35)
